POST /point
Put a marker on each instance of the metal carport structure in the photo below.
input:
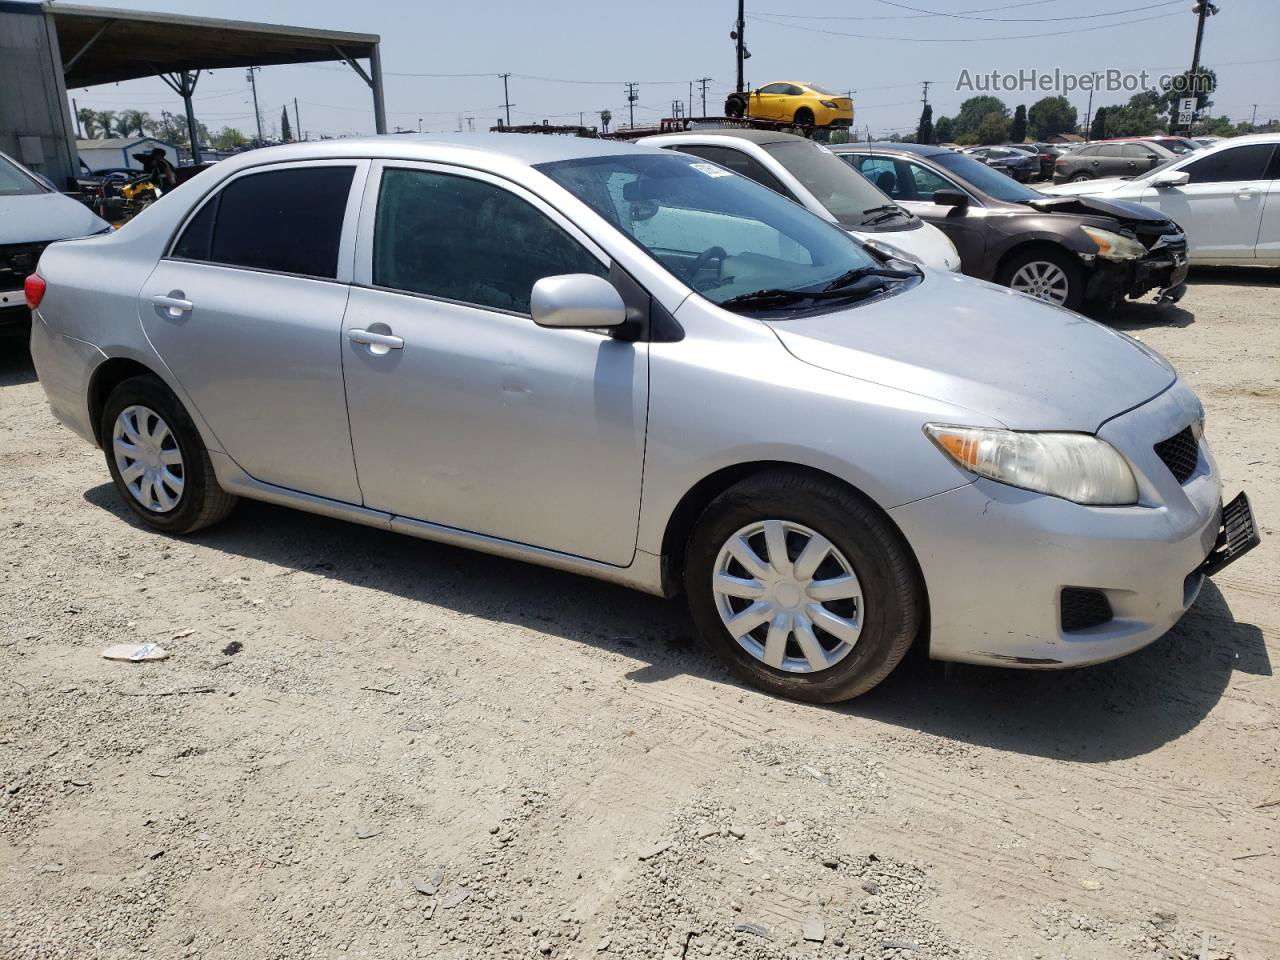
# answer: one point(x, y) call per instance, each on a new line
point(84, 46)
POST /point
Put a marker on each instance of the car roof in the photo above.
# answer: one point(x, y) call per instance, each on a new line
point(920, 149)
point(736, 133)
point(522, 148)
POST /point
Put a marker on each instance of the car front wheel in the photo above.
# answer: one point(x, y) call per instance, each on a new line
point(157, 460)
point(802, 587)
point(1045, 274)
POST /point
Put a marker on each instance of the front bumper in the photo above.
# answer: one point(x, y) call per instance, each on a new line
point(996, 559)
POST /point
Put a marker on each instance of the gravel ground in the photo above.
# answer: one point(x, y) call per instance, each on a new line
point(365, 745)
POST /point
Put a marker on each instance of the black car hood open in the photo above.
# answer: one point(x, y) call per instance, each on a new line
point(1096, 206)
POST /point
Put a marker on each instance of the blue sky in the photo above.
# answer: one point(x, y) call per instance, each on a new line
point(583, 53)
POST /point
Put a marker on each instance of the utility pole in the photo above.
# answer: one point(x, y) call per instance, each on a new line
point(632, 97)
point(1203, 10)
point(1253, 122)
point(296, 122)
point(256, 115)
point(704, 81)
point(925, 98)
point(506, 98)
point(75, 110)
point(740, 43)
point(471, 124)
point(1088, 117)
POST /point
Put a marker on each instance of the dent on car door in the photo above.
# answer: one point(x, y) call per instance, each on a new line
point(478, 419)
point(245, 309)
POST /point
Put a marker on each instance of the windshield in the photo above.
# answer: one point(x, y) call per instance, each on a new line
point(720, 233)
point(16, 182)
point(850, 197)
point(991, 182)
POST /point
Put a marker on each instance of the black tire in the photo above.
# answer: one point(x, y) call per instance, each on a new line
point(804, 117)
point(1079, 177)
point(201, 501)
point(893, 595)
point(735, 106)
point(1064, 261)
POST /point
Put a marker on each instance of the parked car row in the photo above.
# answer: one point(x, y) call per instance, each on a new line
point(631, 362)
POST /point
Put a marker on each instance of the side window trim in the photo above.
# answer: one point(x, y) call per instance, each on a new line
point(346, 242)
point(362, 273)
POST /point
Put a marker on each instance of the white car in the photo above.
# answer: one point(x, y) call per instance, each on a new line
point(810, 175)
point(1225, 197)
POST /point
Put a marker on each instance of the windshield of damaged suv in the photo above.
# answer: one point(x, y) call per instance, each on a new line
point(722, 234)
point(990, 181)
point(848, 196)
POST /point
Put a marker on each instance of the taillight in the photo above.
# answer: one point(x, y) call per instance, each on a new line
point(1060, 162)
point(33, 287)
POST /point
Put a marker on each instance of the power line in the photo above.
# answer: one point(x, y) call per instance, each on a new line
point(922, 16)
point(1078, 16)
point(1025, 36)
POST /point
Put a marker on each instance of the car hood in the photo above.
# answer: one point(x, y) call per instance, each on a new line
point(40, 217)
point(1104, 206)
point(925, 244)
point(1025, 363)
point(1086, 187)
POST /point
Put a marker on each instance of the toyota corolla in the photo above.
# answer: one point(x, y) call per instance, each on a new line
point(640, 366)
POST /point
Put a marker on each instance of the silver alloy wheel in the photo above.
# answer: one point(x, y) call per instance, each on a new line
point(148, 458)
point(1042, 279)
point(788, 596)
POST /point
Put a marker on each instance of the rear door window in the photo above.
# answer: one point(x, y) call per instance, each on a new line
point(1110, 150)
point(738, 162)
point(285, 221)
point(1248, 162)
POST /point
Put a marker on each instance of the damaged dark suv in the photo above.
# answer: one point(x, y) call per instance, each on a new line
point(1079, 252)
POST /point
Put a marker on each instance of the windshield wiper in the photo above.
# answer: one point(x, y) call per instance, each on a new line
point(850, 286)
point(886, 211)
point(857, 273)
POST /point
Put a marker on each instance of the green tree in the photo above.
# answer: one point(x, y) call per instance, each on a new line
point(1098, 130)
point(1140, 117)
point(132, 123)
point(1201, 85)
point(924, 132)
point(605, 117)
point(1051, 116)
point(993, 128)
point(286, 131)
point(1018, 128)
point(106, 122)
point(943, 130)
point(228, 138)
point(88, 121)
point(974, 110)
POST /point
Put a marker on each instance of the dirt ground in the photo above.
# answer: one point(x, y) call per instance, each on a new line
point(366, 745)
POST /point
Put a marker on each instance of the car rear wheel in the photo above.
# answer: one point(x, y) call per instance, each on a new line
point(1045, 274)
point(804, 117)
point(735, 106)
point(1080, 177)
point(157, 460)
point(802, 587)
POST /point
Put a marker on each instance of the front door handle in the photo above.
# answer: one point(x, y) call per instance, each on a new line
point(176, 305)
point(378, 343)
point(1245, 194)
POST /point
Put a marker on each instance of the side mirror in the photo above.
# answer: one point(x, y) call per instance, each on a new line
point(576, 301)
point(1152, 156)
point(1171, 178)
point(951, 198)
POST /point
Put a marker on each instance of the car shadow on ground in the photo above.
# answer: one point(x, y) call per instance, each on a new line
point(1132, 315)
point(1121, 709)
point(15, 362)
point(1260, 276)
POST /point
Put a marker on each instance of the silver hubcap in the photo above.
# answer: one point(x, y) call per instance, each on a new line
point(788, 596)
point(148, 458)
point(1043, 280)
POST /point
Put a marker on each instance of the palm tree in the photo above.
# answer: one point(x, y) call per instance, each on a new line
point(132, 122)
point(106, 121)
point(88, 118)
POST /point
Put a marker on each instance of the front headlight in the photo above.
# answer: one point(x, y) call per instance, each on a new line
point(1113, 246)
point(1075, 466)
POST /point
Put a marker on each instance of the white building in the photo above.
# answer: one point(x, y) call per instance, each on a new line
point(119, 152)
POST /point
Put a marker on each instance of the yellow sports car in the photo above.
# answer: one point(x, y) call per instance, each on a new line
point(794, 103)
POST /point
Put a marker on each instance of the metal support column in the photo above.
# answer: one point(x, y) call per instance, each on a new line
point(184, 85)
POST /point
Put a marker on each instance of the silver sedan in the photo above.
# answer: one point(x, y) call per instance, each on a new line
point(639, 366)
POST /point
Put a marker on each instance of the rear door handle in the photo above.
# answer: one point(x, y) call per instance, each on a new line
point(177, 306)
point(377, 342)
point(1245, 194)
